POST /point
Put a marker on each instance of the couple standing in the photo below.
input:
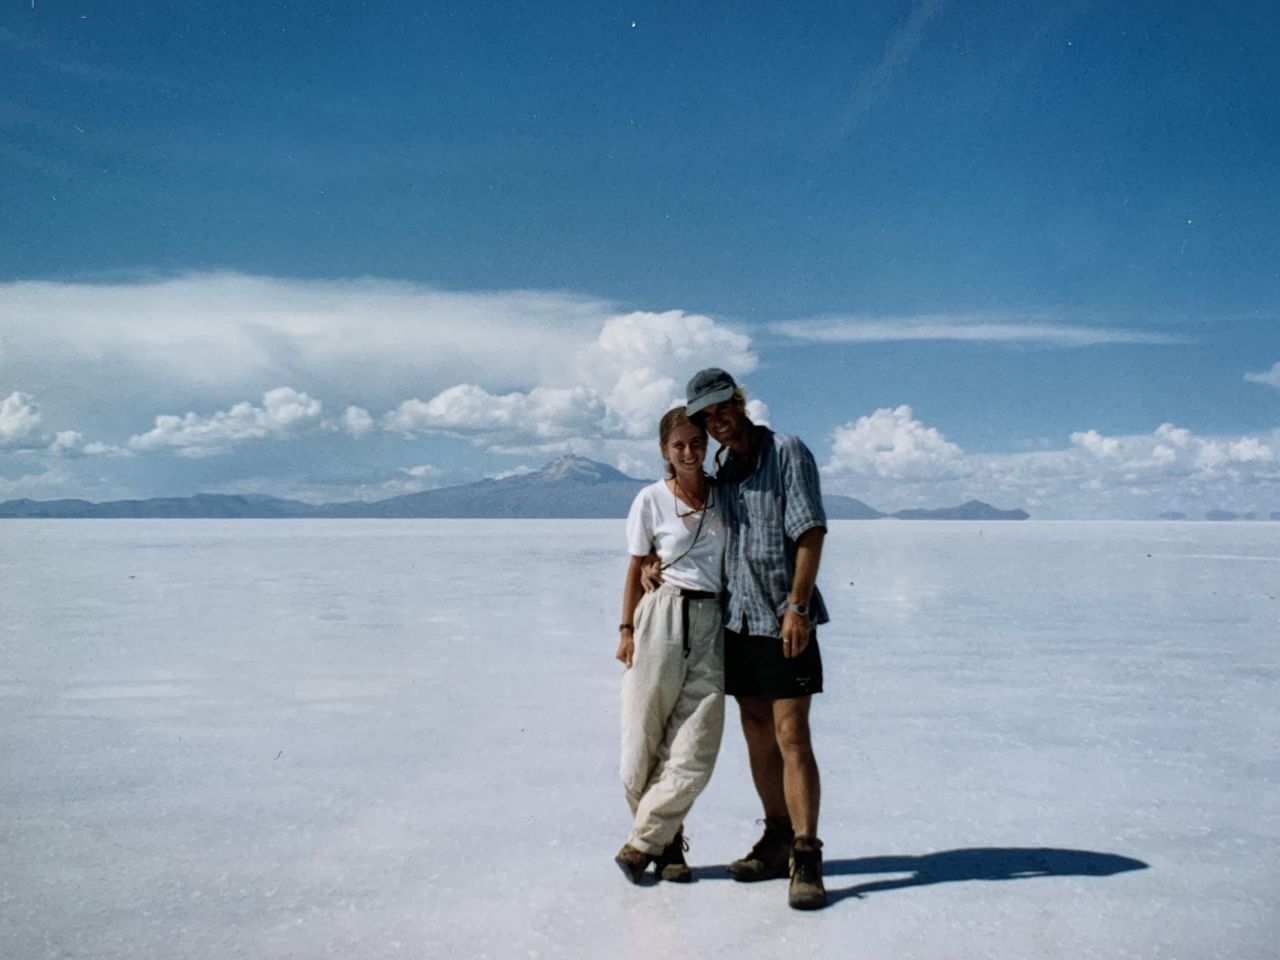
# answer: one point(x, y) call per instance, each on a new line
point(734, 613)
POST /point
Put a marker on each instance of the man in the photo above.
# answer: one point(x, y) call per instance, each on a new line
point(775, 523)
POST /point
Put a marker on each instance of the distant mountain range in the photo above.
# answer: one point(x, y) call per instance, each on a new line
point(1218, 515)
point(568, 487)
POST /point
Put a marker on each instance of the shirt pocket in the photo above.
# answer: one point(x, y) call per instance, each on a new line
point(761, 518)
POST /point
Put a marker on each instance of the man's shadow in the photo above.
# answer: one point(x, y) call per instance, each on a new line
point(955, 866)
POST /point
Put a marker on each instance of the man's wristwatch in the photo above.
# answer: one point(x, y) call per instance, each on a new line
point(800, 608)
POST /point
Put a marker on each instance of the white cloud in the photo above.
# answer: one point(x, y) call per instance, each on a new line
point(224, 331)
point(618, 388)
point(1218, 454)
point(758, 411)
point(418, 478)
point(1177, 436)
point(674, 341)
point(543, 413)
point(97, 448)
point(1251, 450)
point(1096, 443)
point(887, 463)
point(362, 344)
point(283, 411)
point(891, 443)
point(1269, 378)
point(66, 443)
point(424, 471)
point(519, 471)
point(356, 421)
point(635, 466)
point(640, 362)
point(522, 372)
point(35, 486)
point(964, 327)
point(19, 417)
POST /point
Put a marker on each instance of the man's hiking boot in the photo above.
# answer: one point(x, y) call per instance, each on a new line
point(768, 859)
point(807, 891)
point(632, 862)
point(670, 863)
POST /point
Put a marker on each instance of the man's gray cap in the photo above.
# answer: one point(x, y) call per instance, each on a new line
point(707, 387)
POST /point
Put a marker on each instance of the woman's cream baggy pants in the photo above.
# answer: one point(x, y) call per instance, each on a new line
point(672, 712)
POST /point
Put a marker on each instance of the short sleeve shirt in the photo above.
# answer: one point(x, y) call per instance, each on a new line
point(765, 513)
point(690, 545)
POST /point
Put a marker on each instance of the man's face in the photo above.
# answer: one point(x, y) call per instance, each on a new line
point(727, 422)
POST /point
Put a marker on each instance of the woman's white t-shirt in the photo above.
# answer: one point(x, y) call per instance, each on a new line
point(652, 521)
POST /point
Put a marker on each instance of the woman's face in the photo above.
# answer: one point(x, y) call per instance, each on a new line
point(686, 449)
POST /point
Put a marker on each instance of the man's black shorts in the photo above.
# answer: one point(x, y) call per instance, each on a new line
point(755, 667)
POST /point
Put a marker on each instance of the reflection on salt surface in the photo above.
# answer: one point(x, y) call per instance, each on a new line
point(312, 738)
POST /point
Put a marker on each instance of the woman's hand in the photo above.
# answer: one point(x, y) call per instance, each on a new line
point(626, 648)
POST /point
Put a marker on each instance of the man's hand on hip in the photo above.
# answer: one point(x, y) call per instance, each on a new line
point(651, 573)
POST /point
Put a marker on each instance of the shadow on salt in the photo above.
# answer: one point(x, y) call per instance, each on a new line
point(959, 866)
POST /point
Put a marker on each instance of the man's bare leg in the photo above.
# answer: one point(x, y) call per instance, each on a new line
point(768, 859)
point(801, 785)
point(767, 767)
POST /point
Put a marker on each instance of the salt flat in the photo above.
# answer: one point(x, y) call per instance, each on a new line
point(398, 739)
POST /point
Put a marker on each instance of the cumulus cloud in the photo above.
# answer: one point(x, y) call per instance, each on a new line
point(363, 345)
point(640, 362)
point(284, 411)
point(543, 413)
point(1168, 451)
point(885, 459)
point(66, 443)
point(964, 327)
point(1175, 436)
point(891, 443)
point(616, 387)
point(1096, 443)
point(19, 417)
point(758, 411)
point(1251, 450)
point(356, 421)
point(673, 341)
point(1215, 455)
point(1269, 378)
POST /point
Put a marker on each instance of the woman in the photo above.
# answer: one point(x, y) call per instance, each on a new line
point(672, 644)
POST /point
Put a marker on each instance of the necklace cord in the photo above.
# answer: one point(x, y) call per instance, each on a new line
point(702, 517)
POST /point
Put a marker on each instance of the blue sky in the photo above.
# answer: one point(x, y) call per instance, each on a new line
point(976, 249)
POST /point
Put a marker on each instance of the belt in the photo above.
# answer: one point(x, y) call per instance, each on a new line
point(685, 597)
point(697, 594)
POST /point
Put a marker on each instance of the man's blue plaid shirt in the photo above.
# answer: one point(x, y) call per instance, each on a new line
point(765, 512)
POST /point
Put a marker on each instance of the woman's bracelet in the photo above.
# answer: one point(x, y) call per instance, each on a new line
point(626, 626)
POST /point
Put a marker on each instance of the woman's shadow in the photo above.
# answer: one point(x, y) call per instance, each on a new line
point(955, 866)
